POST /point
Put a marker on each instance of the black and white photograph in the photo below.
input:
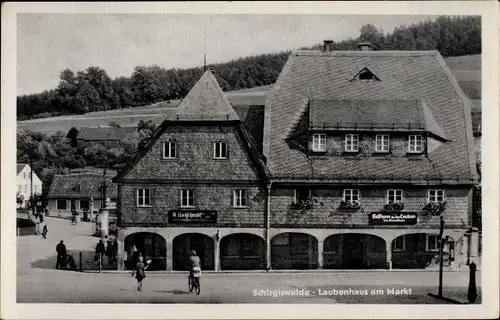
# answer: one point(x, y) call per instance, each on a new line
point(250, 158)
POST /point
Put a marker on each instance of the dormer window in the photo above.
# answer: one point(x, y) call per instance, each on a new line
point(415, 143)
point(220, 150)
point(382, 143)
point(366, 74)
point(319, 142)
point(351, 143)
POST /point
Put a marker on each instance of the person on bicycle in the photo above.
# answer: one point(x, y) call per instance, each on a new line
point(194, 261)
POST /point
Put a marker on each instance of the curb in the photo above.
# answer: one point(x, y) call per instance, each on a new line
point(248, 272)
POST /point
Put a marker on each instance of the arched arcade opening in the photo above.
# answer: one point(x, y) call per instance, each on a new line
point(201, 243)
point(354, 251)
point(150, 246)
point(242, 251)
point(294, 251)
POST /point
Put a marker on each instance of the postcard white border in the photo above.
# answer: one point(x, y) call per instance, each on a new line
point(489, 10)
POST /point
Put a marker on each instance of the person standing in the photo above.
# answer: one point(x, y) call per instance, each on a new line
point(61, 255)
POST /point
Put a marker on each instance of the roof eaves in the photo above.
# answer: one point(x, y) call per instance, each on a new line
point(467, 115)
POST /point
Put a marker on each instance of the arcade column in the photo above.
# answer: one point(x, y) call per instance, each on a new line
point(320, 254)
point(388, 253)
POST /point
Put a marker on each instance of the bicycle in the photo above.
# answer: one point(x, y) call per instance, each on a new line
point(194, 280)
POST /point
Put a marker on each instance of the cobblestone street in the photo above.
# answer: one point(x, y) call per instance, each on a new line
point(38, 282)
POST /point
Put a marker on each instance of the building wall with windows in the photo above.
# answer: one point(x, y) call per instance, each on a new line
point(162, 198)
point(195, 156)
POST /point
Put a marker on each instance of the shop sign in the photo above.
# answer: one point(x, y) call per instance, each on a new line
point(407, 218)
point(192, 216)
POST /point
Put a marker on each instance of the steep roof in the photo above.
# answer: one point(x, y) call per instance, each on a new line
point(104, 133)
point(20, 167)
point(65, 186)
point(403, 75)
point(207, 104)
point(205, 101)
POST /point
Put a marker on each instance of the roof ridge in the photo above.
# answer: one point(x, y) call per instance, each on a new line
point(395, 53)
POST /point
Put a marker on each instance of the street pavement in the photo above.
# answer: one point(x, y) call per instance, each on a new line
point(39, 282)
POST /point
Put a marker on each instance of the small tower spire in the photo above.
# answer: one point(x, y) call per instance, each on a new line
point(205, 54)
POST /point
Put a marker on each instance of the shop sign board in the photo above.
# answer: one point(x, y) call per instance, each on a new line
point(192, 216)
point(396, 218)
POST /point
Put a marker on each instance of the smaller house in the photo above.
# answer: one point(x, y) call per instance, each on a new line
point(24, 184)
point(110, 136)
point(79, 191)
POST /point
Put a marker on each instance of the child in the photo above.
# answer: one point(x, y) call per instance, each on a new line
point(45, 230)
point(140, 272)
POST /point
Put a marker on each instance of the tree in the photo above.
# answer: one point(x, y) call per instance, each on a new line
point(73, 135)
point(146, 128)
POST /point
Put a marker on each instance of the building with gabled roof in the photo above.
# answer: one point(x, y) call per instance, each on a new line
point(26, 186)
point(367, 151)
point(79, 192)
point(352, 163)
point(197, 183)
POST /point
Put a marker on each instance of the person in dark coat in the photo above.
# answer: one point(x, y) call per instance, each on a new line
point(61, 255)
point(109, 251)
point(100, 250)
point(45, 231)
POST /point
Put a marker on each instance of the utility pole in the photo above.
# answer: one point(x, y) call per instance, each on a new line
point(31, 188)
point(103, 204)
point(441, 242)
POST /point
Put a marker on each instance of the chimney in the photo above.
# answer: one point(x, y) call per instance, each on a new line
point(365, 46)
point(327, 45)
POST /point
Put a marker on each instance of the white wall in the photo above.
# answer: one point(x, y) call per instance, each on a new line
point(24, 183)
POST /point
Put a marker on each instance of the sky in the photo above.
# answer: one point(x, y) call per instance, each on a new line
point(50, 43)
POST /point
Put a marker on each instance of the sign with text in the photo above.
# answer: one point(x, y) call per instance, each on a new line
point(192, 216)
point(406, 218)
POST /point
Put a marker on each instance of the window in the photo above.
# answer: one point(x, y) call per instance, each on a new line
point(436, 195)
point(382, 143)
point(432, 242)
point(143, 198)
point(84, 204)
point(61, 205)
point(187, 198)
point(302, 194)
point(351, 195)
point(319, 142)
point(415, 144)
point(169, 150)
point(239, 198)
point(394, 196)
point(220, 150)
point(351, 142)
point(399, 243)
point(366, 75)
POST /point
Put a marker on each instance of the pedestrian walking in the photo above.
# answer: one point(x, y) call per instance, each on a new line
point(99, 251)
point(61, 255)
point(45, 231)
point(140, 272)
point(73, 216)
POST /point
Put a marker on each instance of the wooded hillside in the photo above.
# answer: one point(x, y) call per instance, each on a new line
point(93, 90)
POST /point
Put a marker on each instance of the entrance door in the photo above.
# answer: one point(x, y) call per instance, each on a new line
point(353, 253)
